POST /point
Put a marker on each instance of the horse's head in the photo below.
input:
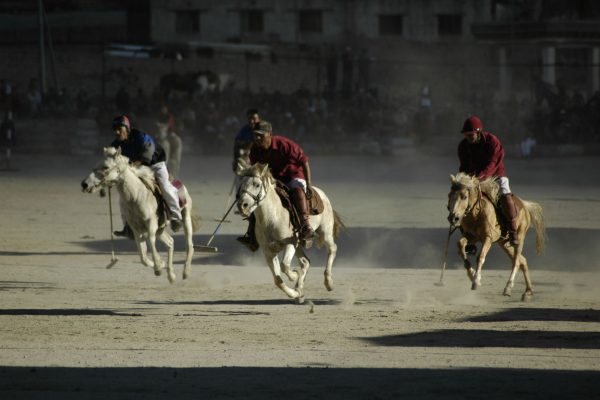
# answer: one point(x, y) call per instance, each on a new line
point(460, 198)
point(106, 171)
point(255, 181)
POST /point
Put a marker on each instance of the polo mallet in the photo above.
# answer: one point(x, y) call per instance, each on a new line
point(113, 259)
point(441, 282)
point(207, 248)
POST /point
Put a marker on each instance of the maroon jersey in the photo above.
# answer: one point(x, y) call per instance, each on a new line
point(482, 159)
point(285, 158)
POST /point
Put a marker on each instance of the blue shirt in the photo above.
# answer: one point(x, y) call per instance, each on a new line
point(140, 146)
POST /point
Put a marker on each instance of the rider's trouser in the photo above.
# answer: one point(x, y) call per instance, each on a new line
point(169, 191)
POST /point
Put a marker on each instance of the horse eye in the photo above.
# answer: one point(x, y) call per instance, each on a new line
point(463, 196)
point(256, 184)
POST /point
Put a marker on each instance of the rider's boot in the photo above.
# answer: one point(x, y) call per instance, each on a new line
point(126, 232)
point(510, 212)
point(299, 198)
point(249, 239)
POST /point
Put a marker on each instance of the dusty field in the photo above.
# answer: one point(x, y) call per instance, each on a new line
point(71, 329)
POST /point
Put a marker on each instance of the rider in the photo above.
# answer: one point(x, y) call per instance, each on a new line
point(481, 154)
point(141, 149)
point(287, 163)
point(243, 142)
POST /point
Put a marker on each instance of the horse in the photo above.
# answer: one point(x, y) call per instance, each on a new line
point(143, 212)
point(471, 206)
point(274, 232)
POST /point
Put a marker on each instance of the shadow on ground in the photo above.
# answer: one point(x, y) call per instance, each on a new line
point(566, 249)
point(307, 382)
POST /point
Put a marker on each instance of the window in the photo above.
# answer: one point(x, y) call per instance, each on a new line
point(449, 25)
point(251, 21)
point(311, 21)
point(187, 21)
point(391, 24)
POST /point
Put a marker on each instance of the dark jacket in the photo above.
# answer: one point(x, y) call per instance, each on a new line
point(140, 146)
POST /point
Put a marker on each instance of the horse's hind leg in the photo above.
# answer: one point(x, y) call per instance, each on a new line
point(273, 263)
point(331, 253)
point(189, 245)
point(169, 242)
point(518, 260)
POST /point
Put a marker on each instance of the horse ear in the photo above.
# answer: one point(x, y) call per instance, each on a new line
point(452, 178)
point(263, 169)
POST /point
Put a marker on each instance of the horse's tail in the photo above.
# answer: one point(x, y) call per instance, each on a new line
point(537, 218)
point(338, 224)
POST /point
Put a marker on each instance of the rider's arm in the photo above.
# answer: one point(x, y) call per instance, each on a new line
point(307, 175)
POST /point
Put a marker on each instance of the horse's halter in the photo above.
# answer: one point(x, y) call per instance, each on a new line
point(102, 173)
point(257, 198)
point(470, 207)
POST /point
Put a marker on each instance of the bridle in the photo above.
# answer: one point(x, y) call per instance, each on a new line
point(471, 207)
point(104, 172)
point(257, 198)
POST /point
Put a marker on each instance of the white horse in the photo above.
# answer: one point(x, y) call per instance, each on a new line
point(143, 212)
point(274, 231)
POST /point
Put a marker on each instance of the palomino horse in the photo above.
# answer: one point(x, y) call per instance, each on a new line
point(141, 208)
point(471, 209)
point(274, 231)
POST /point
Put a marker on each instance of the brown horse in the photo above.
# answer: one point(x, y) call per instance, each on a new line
point(471, 207)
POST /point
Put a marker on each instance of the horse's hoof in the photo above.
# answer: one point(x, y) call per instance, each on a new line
point(507, 292)
point(171, 277)
point(329, 284)
point(474, 286)
point(300, 300)
point(527, 296)
point(184, 276)
point(157, 272)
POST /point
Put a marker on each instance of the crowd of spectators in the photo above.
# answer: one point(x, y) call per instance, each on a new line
point(329, 120)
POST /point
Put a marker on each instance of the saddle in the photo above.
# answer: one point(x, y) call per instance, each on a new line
point(315, 203)
point(163, 209)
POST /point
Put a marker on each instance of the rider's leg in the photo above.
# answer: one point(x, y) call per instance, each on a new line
point(249, 239)
point(510, 211)
point(299, 199)
point(126, 231)
point(169, 194)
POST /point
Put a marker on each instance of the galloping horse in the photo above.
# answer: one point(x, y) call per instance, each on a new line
point(142, 210)
point(471, 207)
point(274, 231)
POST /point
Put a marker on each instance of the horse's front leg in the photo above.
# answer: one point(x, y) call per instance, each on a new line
point(142, 250)
point(462, 252)
point(485, 248)
point(286, 263)
point(273, 263)
point(304, 265)
point(169, 242)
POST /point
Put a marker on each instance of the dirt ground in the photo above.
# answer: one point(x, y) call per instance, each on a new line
point(72, 329)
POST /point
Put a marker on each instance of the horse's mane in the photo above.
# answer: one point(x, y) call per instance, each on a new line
point(488, 186)
point(143, 172)
point(258, 171)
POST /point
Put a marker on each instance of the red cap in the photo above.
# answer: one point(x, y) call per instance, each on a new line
point(472, 124)
point(121, 120)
